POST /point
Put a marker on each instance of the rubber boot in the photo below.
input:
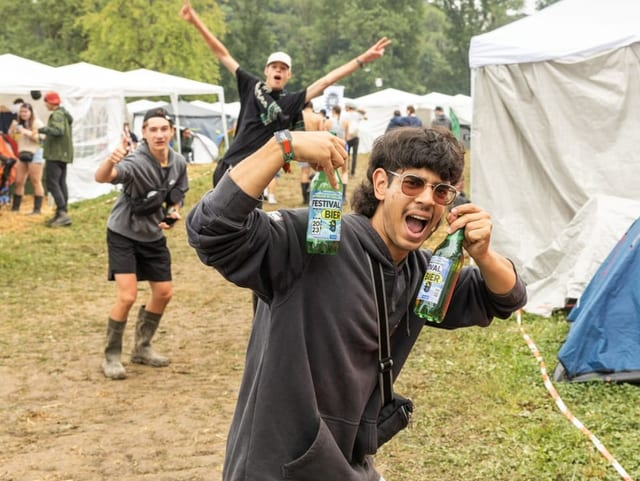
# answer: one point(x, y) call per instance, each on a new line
point(111, 367)
point(37, 205)
point(17, 200)
point(305, 192)
point(145, 329)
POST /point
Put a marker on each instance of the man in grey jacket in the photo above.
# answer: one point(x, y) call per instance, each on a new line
point(311, 376)
point(154, 182)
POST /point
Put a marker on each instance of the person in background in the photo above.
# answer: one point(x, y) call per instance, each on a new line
point(266, 107)
point(440, 119)
point(30, 159)
point(311, 121)
point(339, 127)
point(154, 182)
point(396, 121)
point(131, 138)
point(186, 144)
point(309, 397)
point(411, 118)
point(9, 114)
point(353, 116)
point(58, 153)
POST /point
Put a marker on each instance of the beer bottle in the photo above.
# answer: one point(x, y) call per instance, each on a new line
point(440, 279)
point(325, 215)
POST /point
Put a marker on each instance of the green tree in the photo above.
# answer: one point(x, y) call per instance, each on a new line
point(43, 30)
point(466, 18)
point(249, 37)
point(131, 34)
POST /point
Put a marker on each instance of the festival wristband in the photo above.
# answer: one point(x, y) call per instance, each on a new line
point(283, 137)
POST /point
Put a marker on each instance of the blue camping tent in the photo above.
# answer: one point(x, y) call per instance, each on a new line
point(604, 338)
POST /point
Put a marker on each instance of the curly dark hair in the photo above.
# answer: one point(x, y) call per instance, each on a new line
point(436, 149)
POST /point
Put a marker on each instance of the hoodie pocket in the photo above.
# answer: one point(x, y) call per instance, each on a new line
point(324, 461)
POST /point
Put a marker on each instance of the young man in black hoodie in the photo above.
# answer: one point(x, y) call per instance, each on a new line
point(310, 397)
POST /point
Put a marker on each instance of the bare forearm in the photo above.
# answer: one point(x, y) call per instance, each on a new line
point(321, 149)
point(317, 87)
point(374, 52)
point(216, 46)
point(498, 272)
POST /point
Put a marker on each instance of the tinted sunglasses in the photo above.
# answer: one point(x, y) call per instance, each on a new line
point(412, 186)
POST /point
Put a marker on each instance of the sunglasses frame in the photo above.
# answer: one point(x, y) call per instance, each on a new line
point(426, 184)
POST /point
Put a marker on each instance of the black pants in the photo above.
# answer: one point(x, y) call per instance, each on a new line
point(56, 172)
point(352, 145)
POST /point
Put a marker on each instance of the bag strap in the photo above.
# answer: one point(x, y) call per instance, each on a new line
point(385, 361)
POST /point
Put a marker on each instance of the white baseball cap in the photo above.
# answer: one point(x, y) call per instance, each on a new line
point(279, 57)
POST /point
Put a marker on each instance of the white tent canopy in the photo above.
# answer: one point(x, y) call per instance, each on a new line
point(555, 117)
point(379, 107)
point(97, 111)
point(569, 30)
point(94, 96)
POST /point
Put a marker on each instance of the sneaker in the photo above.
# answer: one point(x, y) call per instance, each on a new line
point(272, 199)
point(61, 221)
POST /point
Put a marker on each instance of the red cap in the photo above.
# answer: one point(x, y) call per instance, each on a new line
point(52, 98)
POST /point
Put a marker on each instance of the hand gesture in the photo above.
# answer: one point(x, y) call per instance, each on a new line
point(187, 12)
point(121, 151)
point(376, 51)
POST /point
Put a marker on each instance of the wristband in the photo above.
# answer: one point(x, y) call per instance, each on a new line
point(283, 137)
point(359, 62)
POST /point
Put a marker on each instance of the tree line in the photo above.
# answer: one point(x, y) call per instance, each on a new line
point(429, 52)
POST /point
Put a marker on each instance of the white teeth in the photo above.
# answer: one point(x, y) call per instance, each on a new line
point(425, 219)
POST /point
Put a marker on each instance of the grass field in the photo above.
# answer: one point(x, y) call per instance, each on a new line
point(482, 411)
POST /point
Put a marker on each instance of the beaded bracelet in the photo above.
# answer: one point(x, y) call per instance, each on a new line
point(283, 137)
point(359, 62)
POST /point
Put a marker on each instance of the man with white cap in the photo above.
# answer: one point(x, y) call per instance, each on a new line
point(265, 107)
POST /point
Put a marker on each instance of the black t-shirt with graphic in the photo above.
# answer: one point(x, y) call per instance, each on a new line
point(251, 133)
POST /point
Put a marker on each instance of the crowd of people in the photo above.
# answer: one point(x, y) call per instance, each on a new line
point(310, 395)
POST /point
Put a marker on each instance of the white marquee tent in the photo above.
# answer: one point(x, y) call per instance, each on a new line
point(95, 97)
point(379, 107)
point(555, 117)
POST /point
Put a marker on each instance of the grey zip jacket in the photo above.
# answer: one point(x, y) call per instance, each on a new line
point(306, 407)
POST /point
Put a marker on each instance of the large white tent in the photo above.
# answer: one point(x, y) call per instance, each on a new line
point(380, 105)
point(555, 117)
point(95, 96)
point(97, 110)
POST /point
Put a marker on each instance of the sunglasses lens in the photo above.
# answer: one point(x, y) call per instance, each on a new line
point(412, 185)
point(442, 194)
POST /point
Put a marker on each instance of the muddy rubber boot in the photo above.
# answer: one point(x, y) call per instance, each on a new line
point(145, 329)
point(37, 205)
point(111, 367)
point(17, 200)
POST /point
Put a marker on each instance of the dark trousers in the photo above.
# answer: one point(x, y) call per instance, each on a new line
point(56, 172)
point(352, 148)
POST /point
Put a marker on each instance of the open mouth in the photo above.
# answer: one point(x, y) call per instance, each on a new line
point(416, 224)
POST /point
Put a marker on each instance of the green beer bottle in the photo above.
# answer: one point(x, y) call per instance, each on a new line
point(440, 279)
point(325, 215)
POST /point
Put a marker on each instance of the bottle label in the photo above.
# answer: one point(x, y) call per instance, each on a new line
point(325, 215)
point(434, 279)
